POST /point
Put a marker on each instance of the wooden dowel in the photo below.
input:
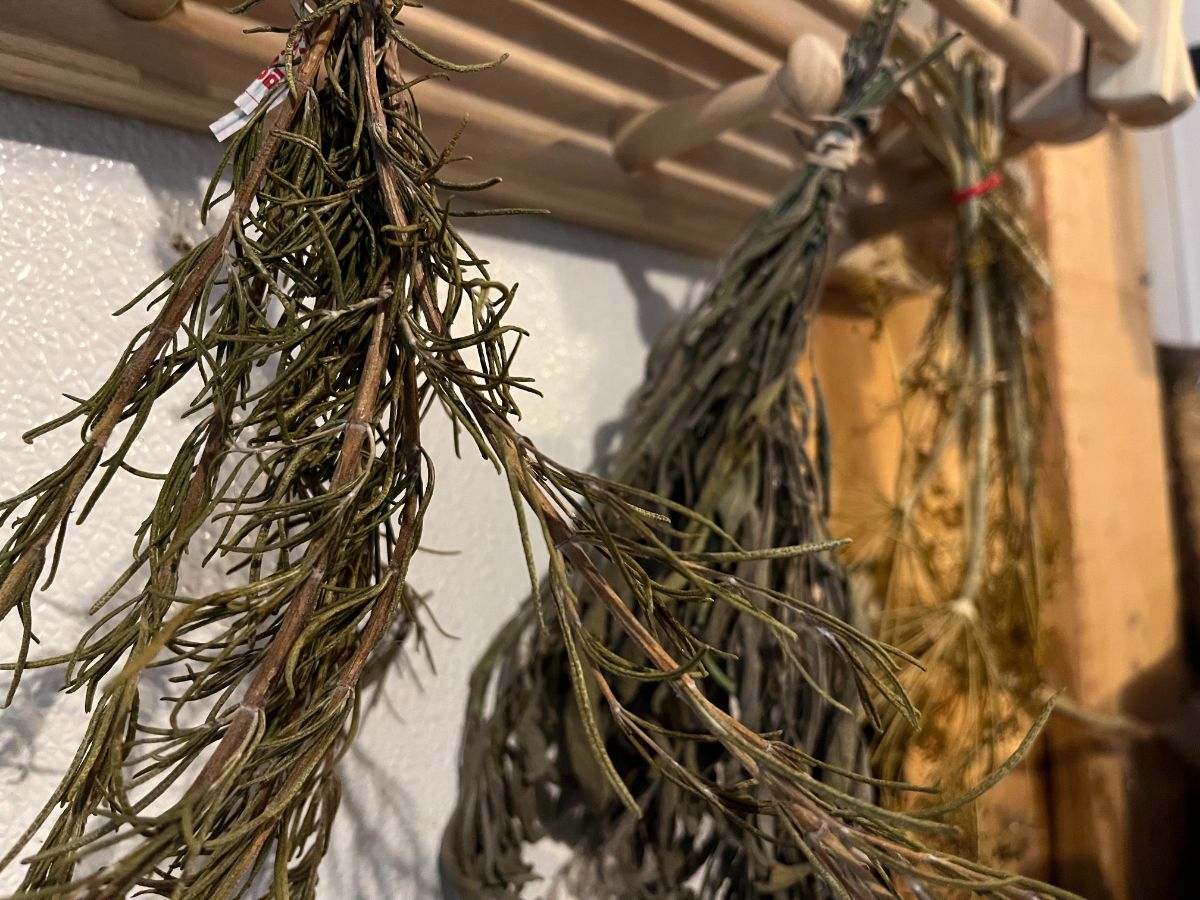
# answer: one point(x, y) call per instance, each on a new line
point(984, 20)
point(808, 84)
point(700, 27)
point(847, 14)
point(993, 28)
point(145, 9)
point(1055, 110)
point(1107, 24)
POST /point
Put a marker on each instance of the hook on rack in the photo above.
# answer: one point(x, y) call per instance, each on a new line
point(808, 84)
point(1054, 111)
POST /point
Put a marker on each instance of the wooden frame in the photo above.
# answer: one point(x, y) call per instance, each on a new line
point(1116, 605)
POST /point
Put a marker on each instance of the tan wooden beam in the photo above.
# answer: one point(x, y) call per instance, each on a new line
point(1114, 608)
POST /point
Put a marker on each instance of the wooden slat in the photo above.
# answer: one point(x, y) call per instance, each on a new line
point(197, 49)
point(574, 72)
point(54, 49)
point(773, 23)
point(543, 121)
point(674, 205)
point(35, 66)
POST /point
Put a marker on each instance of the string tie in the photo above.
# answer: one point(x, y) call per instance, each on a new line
point(836, 149)
point(981, 188)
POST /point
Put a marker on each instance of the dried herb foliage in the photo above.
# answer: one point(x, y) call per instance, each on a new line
point(957, 564)
point(742, 766)
point(318, 324)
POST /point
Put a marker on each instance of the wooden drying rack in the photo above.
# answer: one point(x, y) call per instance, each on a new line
point(545, 120)
point(541, 121)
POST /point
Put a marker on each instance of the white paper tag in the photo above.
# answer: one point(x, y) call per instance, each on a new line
point(263, 88)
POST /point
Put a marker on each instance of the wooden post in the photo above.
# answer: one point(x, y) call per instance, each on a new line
point(1097, 811)
point(1113, 611)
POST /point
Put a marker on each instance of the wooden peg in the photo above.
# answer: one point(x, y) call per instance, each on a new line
point(1107, 24)
point(1055, 110)
point(145, 9)
point(992, 27)
point(808, 84)
point(1154, 85)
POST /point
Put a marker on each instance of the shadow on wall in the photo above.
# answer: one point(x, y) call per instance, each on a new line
point(1164, 782)
point(1164, 774)
point(655, 311)
point(175, 168)
point(376, 875)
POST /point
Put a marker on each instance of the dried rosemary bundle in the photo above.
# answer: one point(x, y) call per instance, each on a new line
point(756, 783)
point(958, 567)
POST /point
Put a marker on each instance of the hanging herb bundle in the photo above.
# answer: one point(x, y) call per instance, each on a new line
point(317, 324)
point(317, 320)
point(781, 803)
point(958, 575)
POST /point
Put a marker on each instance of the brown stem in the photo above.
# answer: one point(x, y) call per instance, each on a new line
point(347, 468)
point(172, 316)
point(349, 464)
point(402, 554)
point(384, 608)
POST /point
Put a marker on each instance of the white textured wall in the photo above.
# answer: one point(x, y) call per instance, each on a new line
point(89, 208)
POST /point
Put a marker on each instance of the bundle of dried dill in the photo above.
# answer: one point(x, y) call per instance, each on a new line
point(958, 567)
point(781, 802)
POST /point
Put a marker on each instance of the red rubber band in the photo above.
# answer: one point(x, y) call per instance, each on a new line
point(980, 188)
